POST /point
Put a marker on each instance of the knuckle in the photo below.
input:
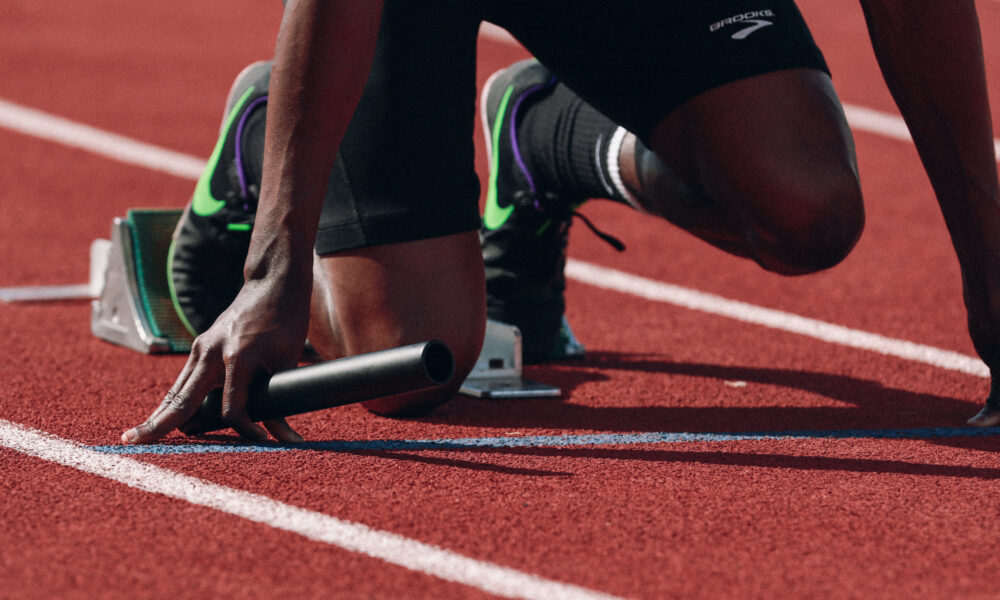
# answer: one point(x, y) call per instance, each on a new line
point(145, 428)
point(203, 348)
point(230, 414)
point(199, 346)
point(231, 360)
point(177, 402)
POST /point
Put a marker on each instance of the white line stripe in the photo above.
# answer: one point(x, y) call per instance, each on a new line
point(119, 147)
point(612, 279)
point(63, 131)
point(888, 125)
point(45, 293)
point(354, 537)
point(873, 121)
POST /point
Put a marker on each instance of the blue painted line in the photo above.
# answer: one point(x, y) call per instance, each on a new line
point(543, 441)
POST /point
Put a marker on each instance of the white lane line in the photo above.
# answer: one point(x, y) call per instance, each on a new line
point(888, 125)
point(354, 537)
point(120, 148)
point(650, 289)
point(859, 117)
point(63, 131)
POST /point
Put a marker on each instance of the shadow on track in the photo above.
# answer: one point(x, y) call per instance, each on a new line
point(862, 403)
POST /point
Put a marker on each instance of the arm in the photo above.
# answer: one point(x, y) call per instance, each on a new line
point(322, 58)
point(931, 56)
point(321, 63)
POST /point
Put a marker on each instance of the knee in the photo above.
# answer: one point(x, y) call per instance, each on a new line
point(465, 346)
point(397, 294)
point(817, 229)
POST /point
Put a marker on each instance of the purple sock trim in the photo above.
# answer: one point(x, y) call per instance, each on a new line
point(239, 144)
point(513, 135)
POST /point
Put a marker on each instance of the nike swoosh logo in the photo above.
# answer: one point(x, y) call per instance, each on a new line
point(495, 215)
point(743, 33)
point(203, 203)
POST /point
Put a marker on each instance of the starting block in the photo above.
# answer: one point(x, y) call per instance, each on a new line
point(497, 373)
point(134, 309)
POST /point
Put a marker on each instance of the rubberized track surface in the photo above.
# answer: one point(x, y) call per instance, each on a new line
point(814, 468)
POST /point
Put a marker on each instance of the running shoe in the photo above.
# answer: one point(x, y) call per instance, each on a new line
point(525, 230)
point(210, 243)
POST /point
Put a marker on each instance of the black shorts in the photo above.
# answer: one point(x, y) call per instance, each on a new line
point(405, 169)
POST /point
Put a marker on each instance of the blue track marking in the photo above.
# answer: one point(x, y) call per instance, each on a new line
point(542, 441)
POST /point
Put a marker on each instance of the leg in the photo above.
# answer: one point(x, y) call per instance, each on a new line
point(745, 177)
point(384, 296)
point(398, 255)
point(742, 140)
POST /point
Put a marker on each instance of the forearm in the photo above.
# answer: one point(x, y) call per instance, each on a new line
point(321, 64)
point(931, 56)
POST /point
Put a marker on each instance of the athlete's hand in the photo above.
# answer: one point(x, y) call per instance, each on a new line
point(982, 299)
point(986, 337)
point(264, 329)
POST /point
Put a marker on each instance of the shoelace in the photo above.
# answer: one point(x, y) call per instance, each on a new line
point(539, 206)
point(607, 237)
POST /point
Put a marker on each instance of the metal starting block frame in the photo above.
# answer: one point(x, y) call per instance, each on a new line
point(497, 373)
point(134, 309)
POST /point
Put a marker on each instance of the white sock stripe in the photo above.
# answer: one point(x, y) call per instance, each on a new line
point(614, 167)
point(354, 537)
point(608, 188)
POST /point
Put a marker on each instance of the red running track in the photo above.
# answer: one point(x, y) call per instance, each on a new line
point(803, 517)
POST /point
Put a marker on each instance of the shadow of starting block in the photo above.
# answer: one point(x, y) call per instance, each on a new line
point(134, 309)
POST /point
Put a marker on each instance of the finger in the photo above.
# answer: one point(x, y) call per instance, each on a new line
point(989, 416)
point(282, 431)
point(179, 383)
point(234, 403)
point(180, 403)
point(174, 410)
point(175, 404)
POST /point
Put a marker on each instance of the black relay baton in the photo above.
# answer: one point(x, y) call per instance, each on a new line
point(334, 383)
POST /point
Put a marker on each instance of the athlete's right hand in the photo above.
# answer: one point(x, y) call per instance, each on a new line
point(264, 328)
point(985, 333)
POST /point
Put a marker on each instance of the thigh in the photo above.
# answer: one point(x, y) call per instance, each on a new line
point(756, 140)
point(735, 100)
point(380, 297)
point(640, 60)
point(405, 170)
point(775, 154)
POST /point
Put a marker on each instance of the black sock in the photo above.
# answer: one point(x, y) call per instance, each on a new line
point(565, 143)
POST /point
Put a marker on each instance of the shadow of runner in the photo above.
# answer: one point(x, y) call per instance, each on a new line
point(864, 403)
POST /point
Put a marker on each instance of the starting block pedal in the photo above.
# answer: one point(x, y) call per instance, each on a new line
point(497, 373)
point(133, 307)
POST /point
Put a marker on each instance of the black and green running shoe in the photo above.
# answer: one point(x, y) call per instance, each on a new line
point(210, 243)
point(525, 230)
